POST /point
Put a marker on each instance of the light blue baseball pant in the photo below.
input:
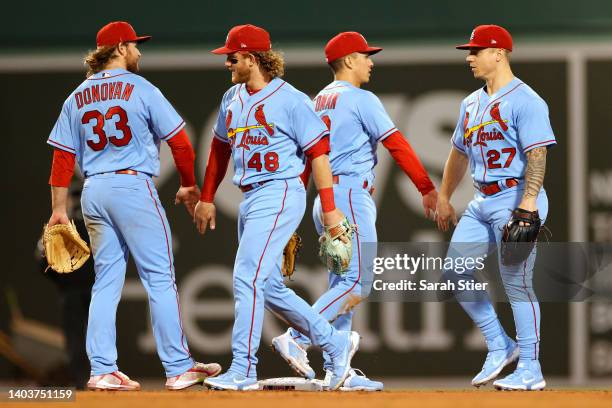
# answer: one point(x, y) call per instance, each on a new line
point(123, 215)
point(268, 217)
point(482, 224)
point(346, 291)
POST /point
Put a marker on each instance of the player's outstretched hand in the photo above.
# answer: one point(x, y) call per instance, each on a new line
point(430, 200)
point(189, 196)
point(334, 217)
point(444, 213)
point(58, 218)
point(204, 216)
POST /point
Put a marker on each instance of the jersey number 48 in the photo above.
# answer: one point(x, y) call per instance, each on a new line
point(270, 161)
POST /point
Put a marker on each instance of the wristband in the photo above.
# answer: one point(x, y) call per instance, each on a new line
point(327, 199)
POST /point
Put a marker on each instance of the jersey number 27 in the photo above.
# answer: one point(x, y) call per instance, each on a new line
point(98, 127)
point(493, 157)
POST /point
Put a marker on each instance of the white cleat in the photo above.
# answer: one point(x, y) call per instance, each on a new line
point(293, 354)
point(195, 375)
point(527, 377)
point(357, 381)
point(342, 360)
point(115, 381)
point(232, 382)
point(505, 352)
point(324, 383)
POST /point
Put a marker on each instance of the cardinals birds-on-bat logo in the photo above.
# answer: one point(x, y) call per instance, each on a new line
point(230, 131)
point(260, 117)
point(467, 132)
point(495, 115)
point(228, 119)
point(482, 137)
point(466, 121)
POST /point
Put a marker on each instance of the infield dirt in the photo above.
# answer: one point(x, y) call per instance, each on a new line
point(198, 397)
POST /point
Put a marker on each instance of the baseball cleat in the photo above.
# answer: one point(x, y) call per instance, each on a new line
point(293, 354)
point(233, 382)
point(328, 376)
point(324, 383)
point(342, 359)
point(527, 377)
point(505, 352)
point(195, 375)
point(115, 381)
point(357, 381)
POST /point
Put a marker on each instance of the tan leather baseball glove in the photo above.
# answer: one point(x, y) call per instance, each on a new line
point(65, 250)
point(290, 253)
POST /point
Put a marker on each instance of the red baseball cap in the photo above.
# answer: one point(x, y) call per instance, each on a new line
point(488, 36)
point(118, 32)
point(347, 43)
point(245, 37)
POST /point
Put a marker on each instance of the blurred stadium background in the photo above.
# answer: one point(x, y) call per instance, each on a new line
point(563, 49)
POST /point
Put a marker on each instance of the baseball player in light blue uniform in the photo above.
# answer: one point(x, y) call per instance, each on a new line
point(503, 133)
point(358, 122)
point(268, 127)
point(114, 123)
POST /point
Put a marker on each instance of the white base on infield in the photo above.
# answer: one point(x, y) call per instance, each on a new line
point(290, 384)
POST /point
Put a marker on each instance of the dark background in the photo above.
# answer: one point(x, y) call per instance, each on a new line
point(185, 23)
point(31, 100)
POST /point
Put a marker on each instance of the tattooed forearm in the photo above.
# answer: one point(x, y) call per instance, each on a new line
point(534, 175)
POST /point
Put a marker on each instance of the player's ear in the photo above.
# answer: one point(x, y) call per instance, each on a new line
point(122, 48)
point(499, 54)
point(349, 61)
point(251, 60)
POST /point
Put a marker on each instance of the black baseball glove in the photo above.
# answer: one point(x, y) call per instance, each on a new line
point(518, 240)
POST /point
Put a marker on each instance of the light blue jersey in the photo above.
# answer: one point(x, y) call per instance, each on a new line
point(358, 122)
point(497, 131)
point(268, 131)
point(115, 120)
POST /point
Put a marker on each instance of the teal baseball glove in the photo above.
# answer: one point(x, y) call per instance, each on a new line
point(336, 246)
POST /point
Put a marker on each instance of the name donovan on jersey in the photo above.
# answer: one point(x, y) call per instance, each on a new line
point(103, 92)
point(325, 101)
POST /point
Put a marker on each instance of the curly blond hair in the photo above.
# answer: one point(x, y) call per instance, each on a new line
point(271, 62)
point(97, 59)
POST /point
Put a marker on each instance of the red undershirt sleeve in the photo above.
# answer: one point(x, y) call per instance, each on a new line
point(184, 157)
point(62, 168)
point(325, 194)
point(216, 168)
point(305, 176)
point(406, 158)
point(319, 148)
